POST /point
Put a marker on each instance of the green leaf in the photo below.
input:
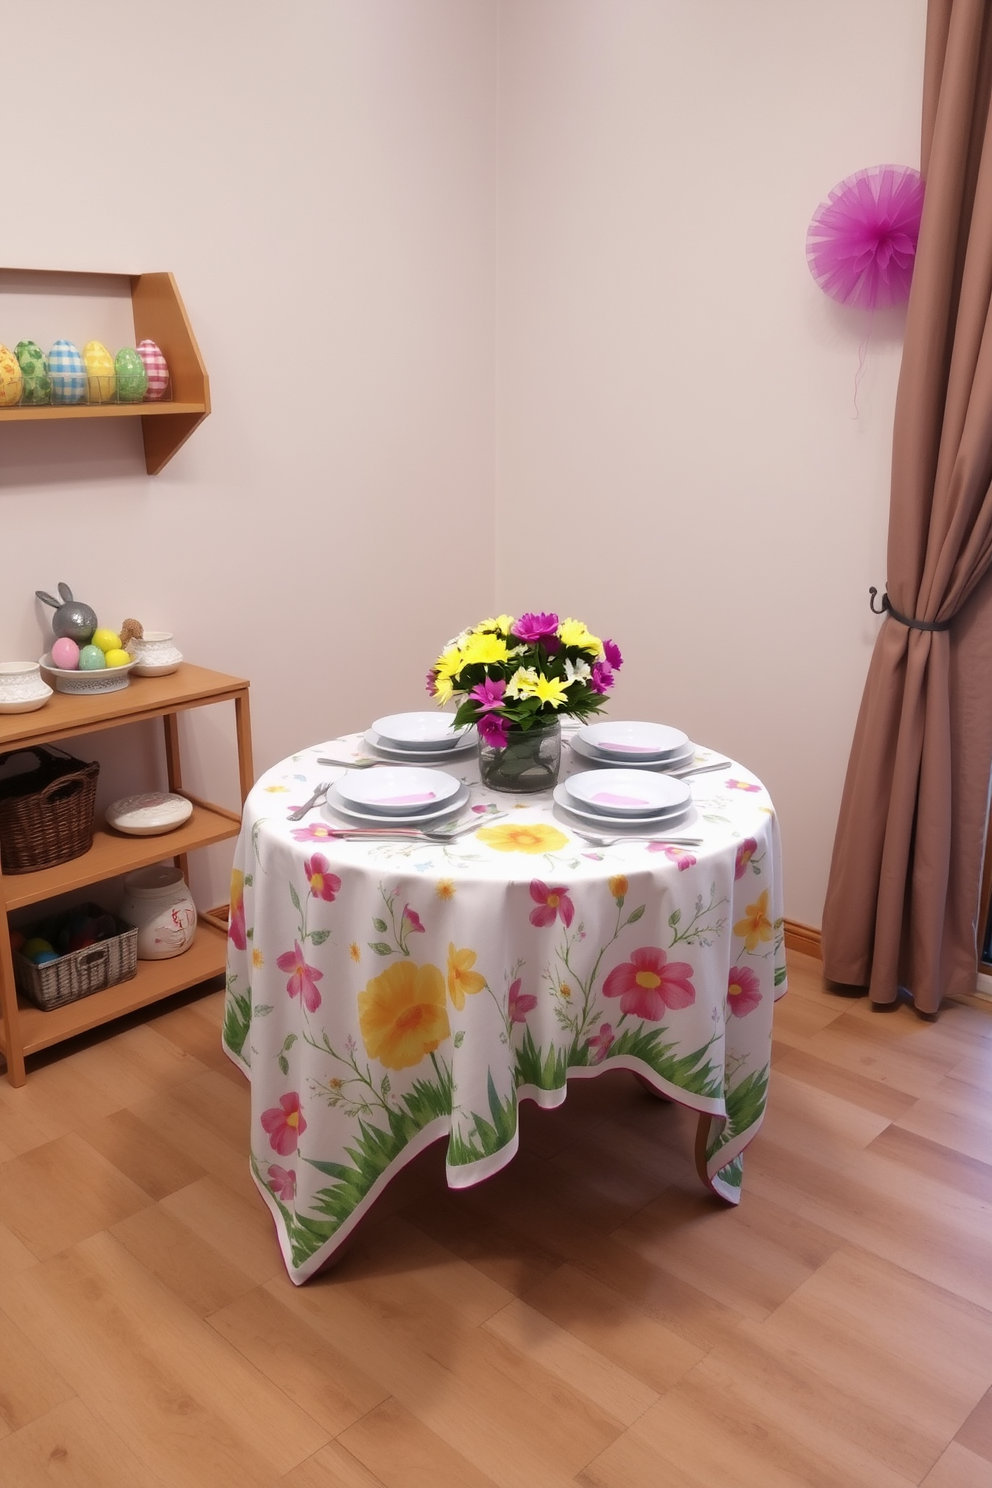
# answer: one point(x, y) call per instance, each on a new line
point(237, 1021)
point(290, 1041)
point(379, 925)
point(674, 917)
point(319, 936)
point(249, 880)
point(781, 972)
point(635, 915)
point(380, 947)
point(261, 1009)
point(295, 897)
point(459, 1038)
point(283, 1064)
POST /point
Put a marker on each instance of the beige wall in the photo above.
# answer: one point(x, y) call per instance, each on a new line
point(661, 442)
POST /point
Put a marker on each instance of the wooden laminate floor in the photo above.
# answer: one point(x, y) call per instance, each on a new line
point(588, 1317)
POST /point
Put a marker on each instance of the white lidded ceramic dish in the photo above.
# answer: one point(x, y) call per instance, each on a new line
point(397, 790)
point(412, 731)
point(627, 792)
point(22, 687)
point(620, 740)
point(148, 814)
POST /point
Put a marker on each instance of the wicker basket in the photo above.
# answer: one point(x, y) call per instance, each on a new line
point(79, 973)
point(46, 814)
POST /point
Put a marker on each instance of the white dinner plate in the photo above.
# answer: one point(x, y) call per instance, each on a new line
point(422, 756)
point(627, 792)
point(662, 821)
point(397, 790)
point(667, 766)
point(621, 740)
point(415, 732)
point(334, 807)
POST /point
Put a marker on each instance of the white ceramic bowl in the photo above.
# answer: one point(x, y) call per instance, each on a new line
point(107, 679)
point(22, 688)
point(397, 790)
point(627, 792)
point(622, 740)
point(154, 654)
point(149, 814)
point(431, 731)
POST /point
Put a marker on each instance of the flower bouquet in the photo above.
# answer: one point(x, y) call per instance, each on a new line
point(514, 679)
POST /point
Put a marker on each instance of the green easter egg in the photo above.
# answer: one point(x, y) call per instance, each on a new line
point(132, 379)
point(34, 370)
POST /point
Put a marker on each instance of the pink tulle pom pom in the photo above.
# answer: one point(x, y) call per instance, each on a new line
point(861, 243)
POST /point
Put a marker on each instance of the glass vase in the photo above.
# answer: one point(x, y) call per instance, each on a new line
point(529, 761)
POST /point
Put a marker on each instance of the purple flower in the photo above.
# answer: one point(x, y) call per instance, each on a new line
point(431, 679)
point(488, 695)
point(612, 652)
point(602, 677)
point(532, 627)
point(492, 730)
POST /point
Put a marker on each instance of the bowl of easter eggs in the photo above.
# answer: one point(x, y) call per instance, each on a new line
point(98, 665)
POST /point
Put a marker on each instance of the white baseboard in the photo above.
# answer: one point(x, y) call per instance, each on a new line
point(984, 987)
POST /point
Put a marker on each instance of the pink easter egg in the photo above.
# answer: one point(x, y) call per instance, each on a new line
point(65, 654)
point(157, 369)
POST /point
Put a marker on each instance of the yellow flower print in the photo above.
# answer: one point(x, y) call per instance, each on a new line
point(403, 1015)
point(755, 926)
point(619, 886)
point(564, 990)
point(445, 888)
point(461, 978)
point(274, 790)
point(257, 959)
point(354, 951)
point(524, 837)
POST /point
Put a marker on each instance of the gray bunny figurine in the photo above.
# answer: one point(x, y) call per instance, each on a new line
point(72, 618)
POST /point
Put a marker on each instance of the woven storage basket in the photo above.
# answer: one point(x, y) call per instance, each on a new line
point(82, 972)
point(46, 814)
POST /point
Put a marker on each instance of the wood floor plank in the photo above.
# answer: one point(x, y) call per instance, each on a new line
point(857, 1086)
point(72, 1446)
point(199, 1274)
point(53, 1195)
point(404, 1453)
point(958, 1468)
point(238, 1230)
point(331, 1467)
point(141, 1153)
point(955, 1114)
point(976, 1433)
point(30, 1385)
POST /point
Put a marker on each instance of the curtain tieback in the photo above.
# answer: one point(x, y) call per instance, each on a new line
point(903, 619)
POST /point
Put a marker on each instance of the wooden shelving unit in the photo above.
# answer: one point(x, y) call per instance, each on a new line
point(159, 316)
point(25, 1029)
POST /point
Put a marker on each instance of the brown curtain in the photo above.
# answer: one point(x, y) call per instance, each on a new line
point(903, 895)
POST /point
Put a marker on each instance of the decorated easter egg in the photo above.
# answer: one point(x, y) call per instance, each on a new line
point(65, 654)
point(100, 375)
point(157, 370)
point(34, 370)
point(68, 374)
point(11, 379)
point(132, 379)
point(91, 659)
point(36, 946)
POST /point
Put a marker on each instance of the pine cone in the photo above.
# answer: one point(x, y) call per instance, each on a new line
point(131, 630)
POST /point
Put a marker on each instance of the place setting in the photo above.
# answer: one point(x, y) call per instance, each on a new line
point(634, 745)
point(625, 803)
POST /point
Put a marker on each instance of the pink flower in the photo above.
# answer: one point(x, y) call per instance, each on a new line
point(743, 991)
point(282, 1181)
point(413, 920)
point(680, 855)
point(488, 694)
point(745, 852)
point(323, 885)
point(315, 832)
point(744, 785)
point(285, 1124)
point(303, 978)
point(492, 730)
point(649, 983)
point(601, 679)
point(552, 903)
point(520, 1004)
point(431, 679)
point(531, 627)
point(612, 653)
point(601, 1042)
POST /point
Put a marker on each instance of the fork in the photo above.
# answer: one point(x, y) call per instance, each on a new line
point(416, 834)
point(353, 764)
point(596, 841)
point(301, 811)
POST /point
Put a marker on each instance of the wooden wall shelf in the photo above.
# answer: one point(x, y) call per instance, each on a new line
point(159, 316)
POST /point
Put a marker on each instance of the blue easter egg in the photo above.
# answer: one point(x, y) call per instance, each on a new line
point(67, 373)
point(43, 957)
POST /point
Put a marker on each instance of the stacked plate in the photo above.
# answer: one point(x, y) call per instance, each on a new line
point(407, 795)
point(634, 746)
point(625, 799)
point(419, 737)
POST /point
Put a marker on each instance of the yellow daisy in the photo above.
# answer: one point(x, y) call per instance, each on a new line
point(257, 959)
point(445, 888)
point(525, 837)
point(354, 951)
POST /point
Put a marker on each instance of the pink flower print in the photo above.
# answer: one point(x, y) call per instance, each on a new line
point(649, 983)
point(680, 855)
point(744, 785)
point(552, 903)
point(745, 852)
point(315, 832)
point(282, 1181)
point(412, 921)
point(531, 627)
point(601, 1042)
point(285, 1124)
point(601, 679)
point(493, 729)
point(488, 695)
point(612, 653)
point(323, 885)
point(520, 1004)
point(303, 979)
point(743, 991)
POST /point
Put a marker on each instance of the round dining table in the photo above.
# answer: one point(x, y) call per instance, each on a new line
point(386, 993)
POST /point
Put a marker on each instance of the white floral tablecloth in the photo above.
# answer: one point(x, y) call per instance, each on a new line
point(382, 995)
